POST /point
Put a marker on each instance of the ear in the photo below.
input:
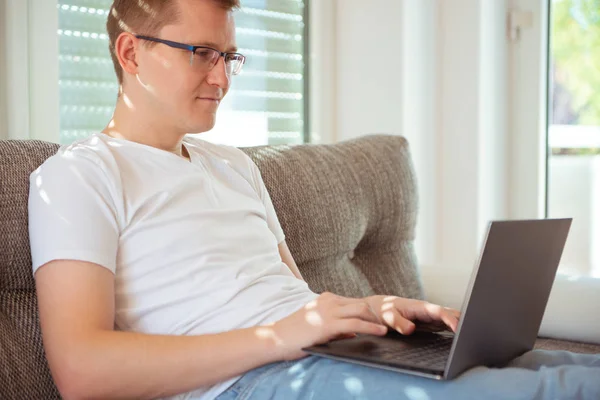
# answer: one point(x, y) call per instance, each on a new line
point(125, 50)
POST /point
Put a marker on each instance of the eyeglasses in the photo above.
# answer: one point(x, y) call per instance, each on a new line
point(203, 57)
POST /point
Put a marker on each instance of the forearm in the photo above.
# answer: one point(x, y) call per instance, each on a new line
point(129, 365)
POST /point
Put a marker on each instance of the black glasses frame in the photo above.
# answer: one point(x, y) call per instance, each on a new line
point(193, 49)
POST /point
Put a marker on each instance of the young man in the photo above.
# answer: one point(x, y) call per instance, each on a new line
point(161, 267)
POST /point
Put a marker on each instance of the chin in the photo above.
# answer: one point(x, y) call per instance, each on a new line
point(199, 119)
point(201, 126)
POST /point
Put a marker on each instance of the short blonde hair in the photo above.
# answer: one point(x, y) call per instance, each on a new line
point(145, 17)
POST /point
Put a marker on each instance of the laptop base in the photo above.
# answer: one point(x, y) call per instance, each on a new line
point(422, 354)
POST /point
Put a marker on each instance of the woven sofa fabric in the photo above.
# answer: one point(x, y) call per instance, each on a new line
point(348, 211)
point(17, 160)
point(576, 347)
point(24, 372)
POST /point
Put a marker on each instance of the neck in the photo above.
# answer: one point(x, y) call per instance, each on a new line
point(130, 123)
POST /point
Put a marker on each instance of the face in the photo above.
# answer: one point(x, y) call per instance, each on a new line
point(187, 98)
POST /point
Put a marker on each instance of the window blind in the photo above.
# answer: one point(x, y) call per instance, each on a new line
point(266, 100)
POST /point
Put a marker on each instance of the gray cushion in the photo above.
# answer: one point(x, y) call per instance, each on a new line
point(24, 373)
point(576, 347)
point(349, 213)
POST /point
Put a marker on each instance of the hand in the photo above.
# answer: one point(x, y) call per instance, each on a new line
point(324, 319)
point(401, 314)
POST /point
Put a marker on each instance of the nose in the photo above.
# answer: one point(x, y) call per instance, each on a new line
point(218, 75)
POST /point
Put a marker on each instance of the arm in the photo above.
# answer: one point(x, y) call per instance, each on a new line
point(287, 258)
point(88, 359)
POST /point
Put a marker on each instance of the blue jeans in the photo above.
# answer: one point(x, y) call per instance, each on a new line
point(535, 375)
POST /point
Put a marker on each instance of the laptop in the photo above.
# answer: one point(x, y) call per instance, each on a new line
point(501, 314)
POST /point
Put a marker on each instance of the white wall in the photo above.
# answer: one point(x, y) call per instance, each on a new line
point(15, 60)
point(370, 62)
point(43, 75)
point(3, 94)
point(323, 71)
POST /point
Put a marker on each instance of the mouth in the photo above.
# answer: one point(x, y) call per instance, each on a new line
point(214, 100)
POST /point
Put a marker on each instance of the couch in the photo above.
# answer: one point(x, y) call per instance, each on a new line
point(348, 210)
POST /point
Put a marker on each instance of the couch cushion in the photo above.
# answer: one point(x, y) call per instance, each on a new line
point(349, 213)
point(17, 160)
point(576, 347)
point(24, 373)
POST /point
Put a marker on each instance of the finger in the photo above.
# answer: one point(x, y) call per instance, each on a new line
point(453, 322)
point(454, 312)
point(345, 336)
point(395, 320)
point(439, 313)
point(356, 325)
point(357, 310)
point(456, 315)
point(437, 326)
point(450, 319)
point(428, 313)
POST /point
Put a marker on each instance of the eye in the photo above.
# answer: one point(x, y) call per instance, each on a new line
point(205, 55)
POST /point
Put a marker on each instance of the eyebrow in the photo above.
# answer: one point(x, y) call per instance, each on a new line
point(232, 49)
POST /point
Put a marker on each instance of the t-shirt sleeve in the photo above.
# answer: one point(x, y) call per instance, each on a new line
point(72, 215)
point(261, 189)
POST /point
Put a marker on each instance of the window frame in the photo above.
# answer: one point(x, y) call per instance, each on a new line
point(529, 113)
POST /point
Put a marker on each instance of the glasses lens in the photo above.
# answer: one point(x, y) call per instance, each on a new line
point(205, 59)
point(234, 63)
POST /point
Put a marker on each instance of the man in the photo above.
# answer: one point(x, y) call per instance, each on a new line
point(161, 267)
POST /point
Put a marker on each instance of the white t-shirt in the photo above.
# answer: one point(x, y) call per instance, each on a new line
point(193, 245)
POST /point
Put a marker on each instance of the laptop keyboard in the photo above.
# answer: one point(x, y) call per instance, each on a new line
point(433, 354)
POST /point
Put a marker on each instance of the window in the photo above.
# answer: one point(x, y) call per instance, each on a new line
point(265, 105)
point(574, 130)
